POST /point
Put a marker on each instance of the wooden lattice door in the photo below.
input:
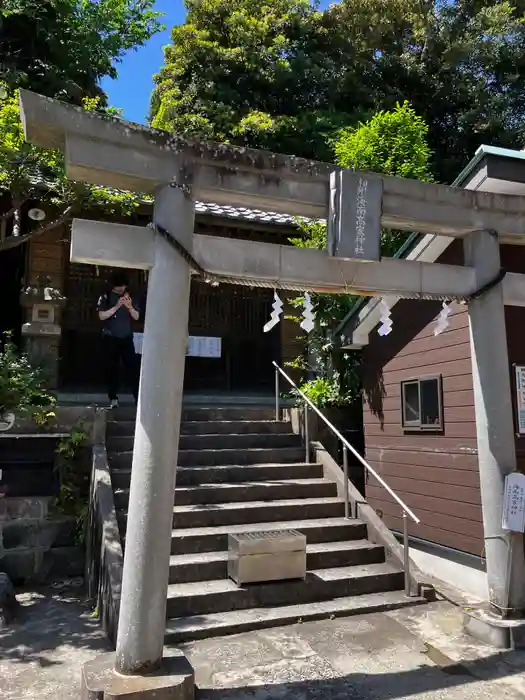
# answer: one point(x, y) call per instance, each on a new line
point(81, 360)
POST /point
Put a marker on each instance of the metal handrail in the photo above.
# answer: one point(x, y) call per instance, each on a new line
point(347, 446)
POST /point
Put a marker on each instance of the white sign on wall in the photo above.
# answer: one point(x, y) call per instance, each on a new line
point(513, 516)
point(198, 345)
point(520, 397)
point(202, 346)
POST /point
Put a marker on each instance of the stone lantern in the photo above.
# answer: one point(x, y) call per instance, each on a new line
point(41, 331)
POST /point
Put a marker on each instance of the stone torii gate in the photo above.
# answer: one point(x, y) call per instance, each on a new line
point(118, 154)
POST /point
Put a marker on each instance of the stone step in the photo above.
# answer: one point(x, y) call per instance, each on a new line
point(220, 413)
point(219, 441)
point(235, 427)
point(209, 494)
point(185, 568)
point(205, 597)
point(255, 455)
point(256, 511)
point(251, 512)
point(210, 539)
point(205, 413)
point(201, 626)
point(195, 458)
point(193, 476)
point(225, 427)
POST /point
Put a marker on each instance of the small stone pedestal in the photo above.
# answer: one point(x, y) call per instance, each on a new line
point(175, 680)
point(259, 557)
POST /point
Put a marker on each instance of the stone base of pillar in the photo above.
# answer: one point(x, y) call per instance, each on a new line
point(487, 627)
point(174, 681)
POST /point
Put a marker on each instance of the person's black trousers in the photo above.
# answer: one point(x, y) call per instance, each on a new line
point(117, 350)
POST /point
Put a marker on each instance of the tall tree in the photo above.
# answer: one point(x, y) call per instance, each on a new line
point(59, 48)
point(283, 75)
point(264, 73)
point(394, 142)
point(460, 63)
point(391, 142)
point(62, 48)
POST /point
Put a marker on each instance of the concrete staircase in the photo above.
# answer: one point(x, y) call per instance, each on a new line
point(241, 471)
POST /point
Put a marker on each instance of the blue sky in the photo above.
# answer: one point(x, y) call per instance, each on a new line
point(132, 89)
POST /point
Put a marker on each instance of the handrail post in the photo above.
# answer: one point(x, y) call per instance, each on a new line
point(406, 557)
point(306, 434)
point(345, 471)
point(368, 469)
point(277, 412)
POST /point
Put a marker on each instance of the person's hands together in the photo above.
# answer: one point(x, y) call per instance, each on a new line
point(126, 301)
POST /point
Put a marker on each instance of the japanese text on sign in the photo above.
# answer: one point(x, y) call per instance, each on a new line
point(513, 516)
point(360, 222)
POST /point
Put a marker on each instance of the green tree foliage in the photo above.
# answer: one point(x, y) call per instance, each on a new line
point(391, 143)
point(283, 75)
point(22, 386)
point(461, 64)
point(262, 72)
point(62, 48)
point(27, 171)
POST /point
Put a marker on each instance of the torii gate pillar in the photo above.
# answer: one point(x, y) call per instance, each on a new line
point(494, 426)
point(142, 621)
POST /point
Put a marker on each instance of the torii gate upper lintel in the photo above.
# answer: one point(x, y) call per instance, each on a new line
point(111, 152)
point(114, 153)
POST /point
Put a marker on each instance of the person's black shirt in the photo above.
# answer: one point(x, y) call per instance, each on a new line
point(120, 325)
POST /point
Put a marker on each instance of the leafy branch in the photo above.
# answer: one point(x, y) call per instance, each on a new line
point(14, 241)
point(27, 172)
point(73, 496)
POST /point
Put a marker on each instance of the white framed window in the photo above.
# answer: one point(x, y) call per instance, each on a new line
point(421, 404)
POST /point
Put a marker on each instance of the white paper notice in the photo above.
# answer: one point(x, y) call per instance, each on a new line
point(513, 516)
point(202, 346)
point(137, 342)
point(198, 345)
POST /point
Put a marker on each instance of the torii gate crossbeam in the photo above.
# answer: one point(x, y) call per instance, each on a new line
point(115, 153)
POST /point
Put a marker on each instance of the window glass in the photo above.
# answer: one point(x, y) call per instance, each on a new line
point(411, 402)
point(430, 411)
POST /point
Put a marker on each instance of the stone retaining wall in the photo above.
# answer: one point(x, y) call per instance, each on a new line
point(34, 547)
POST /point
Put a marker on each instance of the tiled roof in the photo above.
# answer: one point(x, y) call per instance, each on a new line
point(228, 212)
point(207, 208)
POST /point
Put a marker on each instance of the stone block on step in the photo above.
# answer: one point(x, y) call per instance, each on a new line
point(259, 557)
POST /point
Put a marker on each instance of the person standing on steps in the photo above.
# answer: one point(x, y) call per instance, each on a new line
point(117, 311)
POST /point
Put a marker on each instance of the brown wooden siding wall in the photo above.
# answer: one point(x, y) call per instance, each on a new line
point(47, 256)
point(436, 474)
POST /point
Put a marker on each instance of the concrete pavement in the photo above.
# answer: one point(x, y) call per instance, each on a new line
point(418, 653)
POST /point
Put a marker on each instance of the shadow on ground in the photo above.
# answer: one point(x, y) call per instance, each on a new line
point(424, 683)
point(367, 658)
point(49, 628)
